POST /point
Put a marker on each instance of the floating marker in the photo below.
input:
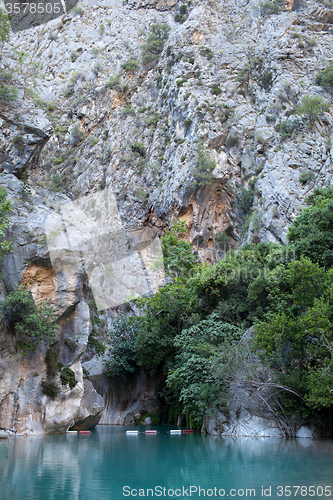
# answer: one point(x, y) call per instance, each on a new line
point(132, 433)
point(187, 431)
point(175, 431)
point(84, 432)
point(151, 432)
point(72, 432)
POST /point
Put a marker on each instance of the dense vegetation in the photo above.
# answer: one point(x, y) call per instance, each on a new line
point(190, 331)
point(30, 323)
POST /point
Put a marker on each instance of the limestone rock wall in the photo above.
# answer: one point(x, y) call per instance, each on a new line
point(226, 80)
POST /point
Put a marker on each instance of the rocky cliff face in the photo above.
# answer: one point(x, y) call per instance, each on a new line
point(227, 77)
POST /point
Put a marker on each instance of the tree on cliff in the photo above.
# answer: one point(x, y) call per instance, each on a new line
point(30, 323)
point(4, 26)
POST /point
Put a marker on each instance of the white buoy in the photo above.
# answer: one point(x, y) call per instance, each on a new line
point(3, 435)
point(71, 432)
point(175, 431)
point(132, 433)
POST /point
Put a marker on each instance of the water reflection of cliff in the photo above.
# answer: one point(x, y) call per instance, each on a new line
point(97, 467)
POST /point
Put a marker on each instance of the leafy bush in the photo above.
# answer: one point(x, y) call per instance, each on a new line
point(216, 90)
point(67, 376)
point(312, 108)
point(306, 176)
point(8, 93)
point(78, 11)
point(204, 166)
point(298, 339)
point(154, 45)
point(223, 239)
point(18, 142)
point(52, 363)
point(77, 134)
point(4, 26)
point(244, 200)
point(131, 65)
point(266, 79)
point(268, 8)
point(325, 77)
point(139, 147)
point(121, 338)
point(311, 233)
point(178, 257)
point(32, 324)
point(204, 352)
point(74, 55)
point(5, 209)
point(50, 389)
point(188, 122)
point(286, 128)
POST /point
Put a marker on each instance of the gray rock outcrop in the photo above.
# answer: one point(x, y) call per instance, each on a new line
point(230, 78)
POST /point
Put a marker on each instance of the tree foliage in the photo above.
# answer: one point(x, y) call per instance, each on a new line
point(5, 209)
point(32, 324)
point(325, 77)
point(4, 26)
point(178, 256)
point(312, 108)
point(203, 351)
point(121, 339)
point(311, 233)
point(155, 42)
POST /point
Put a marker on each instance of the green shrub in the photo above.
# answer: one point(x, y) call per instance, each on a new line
point(311, 233)
point(196, 378)
point(154, 120)
point(325, 77)
point(52, 363)
point(208, 53)
point(50, 389)
point(268, 8)
point(67, 376)
point(306, 176)
point(244, 200)
point(188, 122)
point(4, 25)
point(74, 55)
point(121, 338)
point(8, 93)
point(101, 29)
point(139, 147)
point(286, 128)
point(222, 239)
point(77, 134)
point(155, 43)
point(131, 65)
point(204, 166)
point(266, 79)
point(216, 90)
point(113, 82)
point(70, 343)
point(24, 319)
point(78, 11)
point(18, 142)
point(312, 108)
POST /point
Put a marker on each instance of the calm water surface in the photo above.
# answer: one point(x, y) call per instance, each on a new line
point(99, 466)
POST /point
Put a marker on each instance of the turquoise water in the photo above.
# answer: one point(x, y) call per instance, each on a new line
point(99, 466)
